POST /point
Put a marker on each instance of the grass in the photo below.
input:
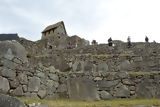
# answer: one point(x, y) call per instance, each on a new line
point(102, 55)
point(127, 54)
point(144, 73)
point(137, 73)
point(38, 55)
point(110, 55)
point(112, 103)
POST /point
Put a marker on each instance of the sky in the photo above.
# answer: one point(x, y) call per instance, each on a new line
point(89, 19)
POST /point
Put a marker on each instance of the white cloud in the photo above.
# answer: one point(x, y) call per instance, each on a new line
point(91, 19)
point(136, 18)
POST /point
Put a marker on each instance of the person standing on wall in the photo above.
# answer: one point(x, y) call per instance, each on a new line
point(129, 42)
point(146, 39)
point(94, 42)
point(110, 43)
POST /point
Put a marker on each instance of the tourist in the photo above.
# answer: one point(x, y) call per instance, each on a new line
point(94, 42)
point(110, 41)
point(69, 45)
point(129, 42)
point(146, 39)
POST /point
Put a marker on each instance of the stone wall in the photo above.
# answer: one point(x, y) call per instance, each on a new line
point(49, 83)
point(53, 44)
point(79, 74)
point(110, 59)
point(118, 85)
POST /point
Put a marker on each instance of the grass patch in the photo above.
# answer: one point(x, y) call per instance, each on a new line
point(127, 54)
point(102, 55)
point(137, 73)
point(120, 55)
point(144, 73)
point(37, 55)
point(112, 103)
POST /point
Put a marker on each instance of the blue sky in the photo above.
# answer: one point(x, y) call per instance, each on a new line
point(89, 19)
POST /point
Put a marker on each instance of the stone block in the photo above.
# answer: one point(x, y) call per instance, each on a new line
point(52, 69)
point(147, 89)
point(25, 88)
point(127, 82)
point(9, 54)
point(62, 88)
point(41, 75)
point(82, 89)
point(132, 88)
point(51, 90)
point(122, 92)
point(8, 73)
point(22, 77)
point(34, 84)
point(78, 66)
point(102, 67)
point(88, 67)
point(122, 74)
point(4, 85)
point(125, 66)
point(14, 84)
point(9, 64)
point(42, 93)
point(105, 95)
point(53, 77)
point(105, 85)
point(51, 83)
point(98, 79)
point(18, 91)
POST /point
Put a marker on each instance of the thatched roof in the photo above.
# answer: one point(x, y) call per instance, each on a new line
point(54, 26)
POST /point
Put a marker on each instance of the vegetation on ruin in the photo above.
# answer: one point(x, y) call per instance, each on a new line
point(101, 55)
point(37, 55)
point(112, 103)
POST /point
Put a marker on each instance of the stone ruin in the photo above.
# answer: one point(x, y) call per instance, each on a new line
point(84, 72)
point(55, 29)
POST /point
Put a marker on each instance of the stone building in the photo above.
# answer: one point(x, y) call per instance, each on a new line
point(55, 29)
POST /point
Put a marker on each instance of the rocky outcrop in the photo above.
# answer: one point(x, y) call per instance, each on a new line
point(12, 50)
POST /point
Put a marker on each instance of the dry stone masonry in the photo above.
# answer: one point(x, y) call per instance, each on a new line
point(46, 69)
